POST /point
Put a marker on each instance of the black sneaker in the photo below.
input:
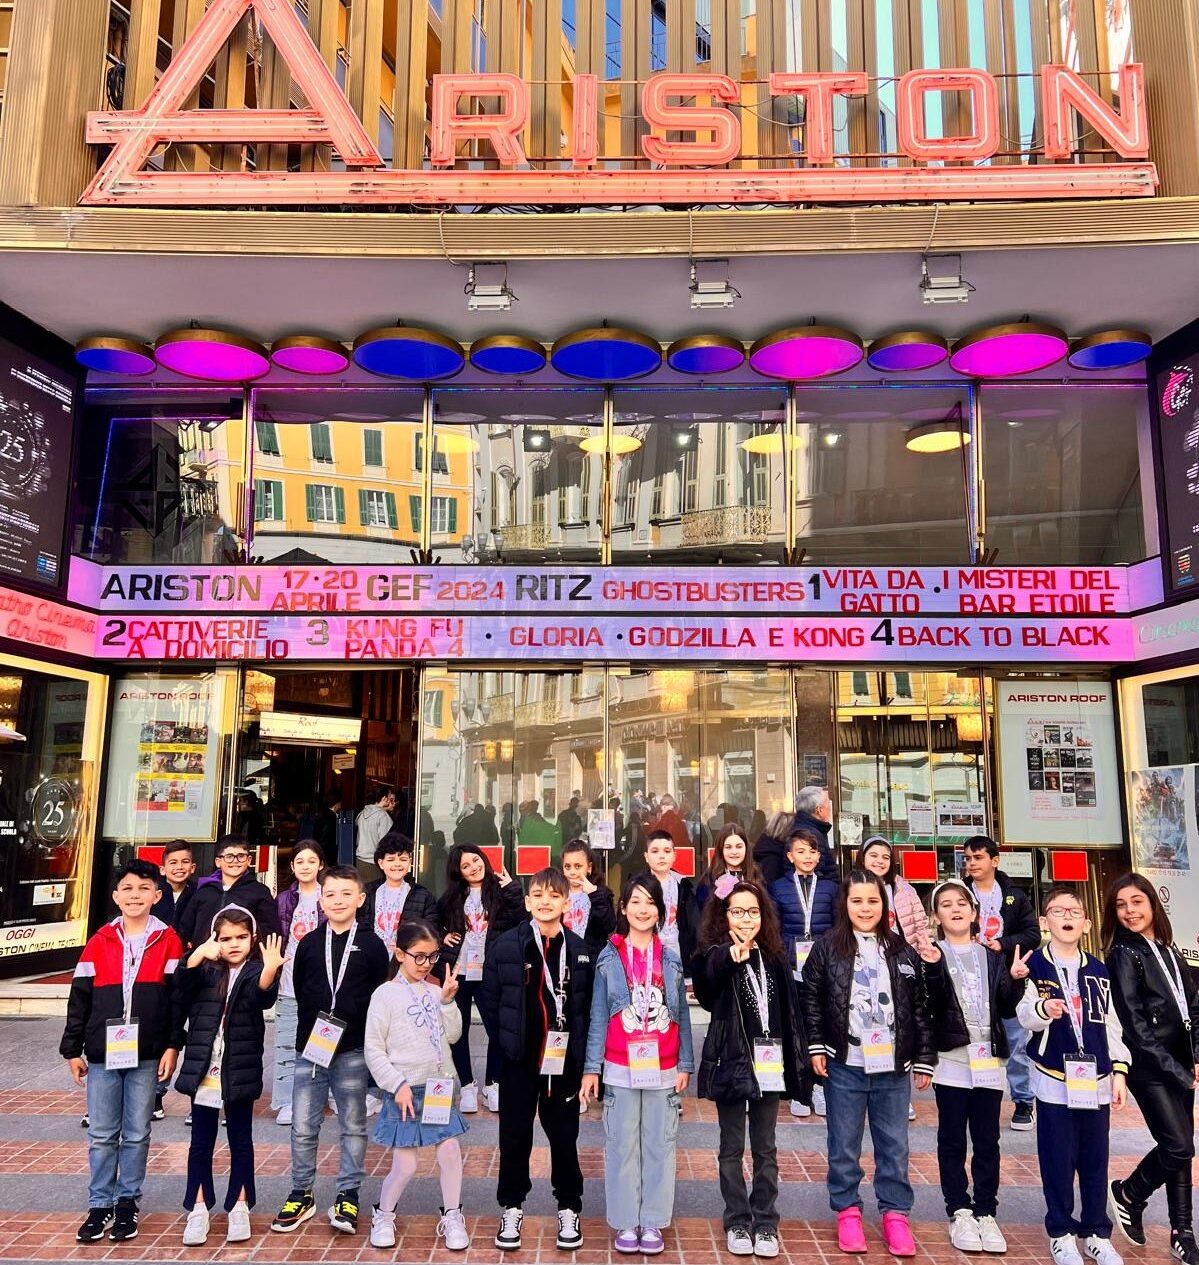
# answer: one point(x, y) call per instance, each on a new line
point(158, 1113)
point(507, 1237)
point(85, 1121)
point(1022, 1118)
point(297, 1208)
point(343, 1216)
point(187, 1120)
point(92, 1230)
point(124, 1223)
point(1127, 1215)
point(1183, 1247)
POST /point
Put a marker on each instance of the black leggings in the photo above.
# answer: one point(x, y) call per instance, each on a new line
point(468, 991)
point(206, 1125)
point(1169, 1112)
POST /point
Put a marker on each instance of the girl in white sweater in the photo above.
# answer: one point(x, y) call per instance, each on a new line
point(410, 1026)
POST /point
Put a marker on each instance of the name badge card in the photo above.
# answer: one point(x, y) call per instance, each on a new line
point(553, 1057)
point(439, 1098)
point(985, 1071)
point(323, 1040)
point(768, 1066)
point(473, 945)
point(645, 1065)
point(120, 1045)
point(1082, 1082)
point(803, 951)
point(878, 1050)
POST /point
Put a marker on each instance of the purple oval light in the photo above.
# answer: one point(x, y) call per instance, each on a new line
point(310, 355)
point(706, 354)
point(1006, 351)
point(115, 355)
point(809, 352)
point(907, 353)
point(212, 355)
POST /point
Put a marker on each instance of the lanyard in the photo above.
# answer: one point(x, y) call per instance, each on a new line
point(759, 990)
point(432, 1024)
point(805, 903)
point(559, 993)
point(131, 961)
point(1174, 981)
point(334, 988)
point(980, 1000)
point(652, 957)
point(1069, 994)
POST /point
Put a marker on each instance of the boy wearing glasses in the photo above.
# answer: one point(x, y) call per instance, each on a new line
point(1079, 1064)
point(237, 886)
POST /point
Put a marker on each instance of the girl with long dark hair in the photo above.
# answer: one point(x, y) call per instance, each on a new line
point(732, 859)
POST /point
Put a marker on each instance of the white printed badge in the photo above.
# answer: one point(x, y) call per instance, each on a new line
point(645, 1064)
point(120, 1045)
point(553, 1057)
point(439, 1098)
point(1082, 1082)
point(985, 1070)
point(768, 1066)
point(878, 1050)
point(323, 1040)
point(471, 957)
point(803, 951)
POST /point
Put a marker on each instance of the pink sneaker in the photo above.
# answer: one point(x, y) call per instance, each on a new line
point(850, 1235)
point(897, 1234)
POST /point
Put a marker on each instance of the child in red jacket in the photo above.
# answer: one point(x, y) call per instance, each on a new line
point(120, 1041)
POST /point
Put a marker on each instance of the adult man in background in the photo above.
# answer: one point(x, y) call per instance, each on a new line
point(373, 822)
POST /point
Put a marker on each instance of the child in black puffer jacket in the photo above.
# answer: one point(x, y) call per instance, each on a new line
point(228, 985)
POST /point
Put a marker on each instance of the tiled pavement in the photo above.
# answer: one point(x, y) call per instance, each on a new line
point(43, 1166)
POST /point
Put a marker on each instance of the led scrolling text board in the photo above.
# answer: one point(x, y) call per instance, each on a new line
point(694, 132)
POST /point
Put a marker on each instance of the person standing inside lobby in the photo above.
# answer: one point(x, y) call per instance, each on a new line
point(1007, 921)
point(372, 823)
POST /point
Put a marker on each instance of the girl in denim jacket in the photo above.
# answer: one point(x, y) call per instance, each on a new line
point(640, 1039)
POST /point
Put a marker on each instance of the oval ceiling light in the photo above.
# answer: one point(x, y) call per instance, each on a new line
point(621, 444)
point(402, 351)
point(804, 352)
point(946, 435)
point(309, 354)
point(605, 354)
point(706, 354)
point(507, 354)
point(110, 354)
point(1110, 349)
point(212, 355)
point(907, 351)
point(1006, 351)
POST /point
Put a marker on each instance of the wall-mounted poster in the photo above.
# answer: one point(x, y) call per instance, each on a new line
point(164, 770)
point(1058, 771)
point(1163, 812)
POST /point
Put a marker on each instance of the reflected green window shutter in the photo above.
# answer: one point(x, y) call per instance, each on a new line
point(389, 499)
point(373, 443)
point(276, 500)
point(453, 527)
point(259, 498)
point(339, 500)
point(414, 512)
point(310, 502)
point(268, 438)
point(364, 513)
point(322, 444)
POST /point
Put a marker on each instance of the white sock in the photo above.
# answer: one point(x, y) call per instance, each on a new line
point(240, 1206)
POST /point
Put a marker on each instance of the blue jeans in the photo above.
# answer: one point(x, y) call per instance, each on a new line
point(640, 1130)
point(346, 1077)
point(884, 1097)
point(119, 1106)
point(286, 1019)
point(1019, 1074)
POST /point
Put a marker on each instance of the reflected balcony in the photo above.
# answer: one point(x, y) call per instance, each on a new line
point(729, 525)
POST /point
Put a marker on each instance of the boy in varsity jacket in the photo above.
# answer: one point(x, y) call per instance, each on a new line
point(121, 1039)
point(1079, 1064)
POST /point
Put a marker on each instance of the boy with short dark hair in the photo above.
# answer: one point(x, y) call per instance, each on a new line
point(120, 1040)
point(536, 1004)
point(335, 971)
point(396, 897)
point(177, 882)
point(1079, 1064)
point(238, 886)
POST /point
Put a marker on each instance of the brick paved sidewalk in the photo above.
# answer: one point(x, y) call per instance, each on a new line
point(43, 1167)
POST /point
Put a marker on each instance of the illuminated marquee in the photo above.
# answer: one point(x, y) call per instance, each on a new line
point(690, 170)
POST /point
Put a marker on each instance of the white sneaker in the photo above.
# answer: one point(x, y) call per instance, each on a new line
point(739, 1241)
point(911, 1111)
point(1064, 1250)
point(582, 1105)
point(284, 1116)
point(468, 1104)
point(991, 1235)
point(570, 1230)
point(383, 1228)
point(798, 1109)
point(452, 1228)
point(373, 1106)
point(964, 1232)
point(1101, 1250)
point(507, 1237)
point(238, 1230)
point(491, 1097)
point(818, 1103)
point(332, 1104)
point(195, 1232)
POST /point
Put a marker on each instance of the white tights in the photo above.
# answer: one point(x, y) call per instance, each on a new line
point(403, 1169)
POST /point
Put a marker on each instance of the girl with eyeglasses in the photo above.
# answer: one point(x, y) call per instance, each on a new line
point(410, 1026)
point(754, 1052)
